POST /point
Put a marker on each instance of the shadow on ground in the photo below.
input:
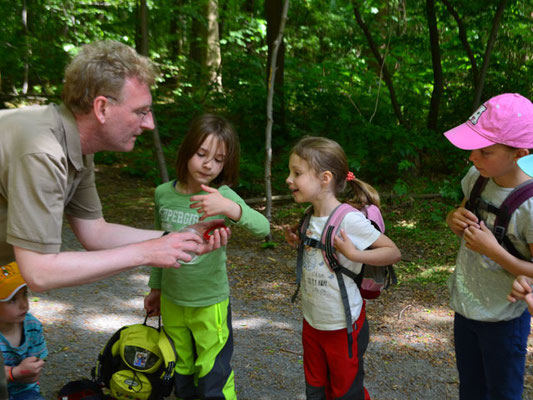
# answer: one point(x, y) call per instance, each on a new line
point(410, 355)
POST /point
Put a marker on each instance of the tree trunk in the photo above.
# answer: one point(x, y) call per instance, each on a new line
point(143, 28)
point(272, 71)
point(274, 14)
point(464, 40)
point(438, 85)
point(27, 52)
point(177, 31)
point(143, 42)
point(160, 156)
point(205, 45)
point(213, 61)
point(486, 59)
point(249, 7)
point(381, 64)
point(197, 40)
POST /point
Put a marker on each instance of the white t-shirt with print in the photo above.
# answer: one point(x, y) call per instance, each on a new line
point(321, 300)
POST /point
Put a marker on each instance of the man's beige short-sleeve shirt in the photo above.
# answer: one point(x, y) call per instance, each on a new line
point(42, 175)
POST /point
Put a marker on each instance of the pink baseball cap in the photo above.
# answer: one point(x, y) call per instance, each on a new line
point(505, 119)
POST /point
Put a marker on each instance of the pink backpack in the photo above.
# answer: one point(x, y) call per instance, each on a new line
point(371, 281)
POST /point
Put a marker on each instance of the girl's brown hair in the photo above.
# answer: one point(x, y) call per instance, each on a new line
point(201, 127)
point(324, 154)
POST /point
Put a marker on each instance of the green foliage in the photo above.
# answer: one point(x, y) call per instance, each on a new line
point(418, 227)
point(269, 245)
point(401, 187)
point(331, 79)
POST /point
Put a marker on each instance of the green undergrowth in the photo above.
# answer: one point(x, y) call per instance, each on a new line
point(418, 227)
point(428, 246)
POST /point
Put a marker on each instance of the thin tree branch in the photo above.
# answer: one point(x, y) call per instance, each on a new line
point(488, 52)
point(270, 119)
point(381, 74)
point(438, 85)
point(381, 63)
point(464, 40)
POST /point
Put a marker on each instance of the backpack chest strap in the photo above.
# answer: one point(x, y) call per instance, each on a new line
point(498, 230)
point(308, 241)
point(486, 206)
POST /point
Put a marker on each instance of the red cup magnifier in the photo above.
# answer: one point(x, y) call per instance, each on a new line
point(210, 231)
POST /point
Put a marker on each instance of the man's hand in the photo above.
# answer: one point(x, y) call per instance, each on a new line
point(168, 251)
point(218, 237)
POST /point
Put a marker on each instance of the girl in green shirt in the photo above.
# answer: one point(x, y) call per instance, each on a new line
point(194, 300)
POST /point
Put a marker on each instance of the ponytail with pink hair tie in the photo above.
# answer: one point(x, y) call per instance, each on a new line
point(350, 176)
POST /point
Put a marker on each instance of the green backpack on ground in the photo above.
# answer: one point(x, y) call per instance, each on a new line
point(137, 363)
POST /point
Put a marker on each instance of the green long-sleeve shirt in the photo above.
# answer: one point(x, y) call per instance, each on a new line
point(205, 281)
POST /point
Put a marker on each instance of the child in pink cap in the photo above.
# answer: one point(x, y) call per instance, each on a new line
point(490, 332)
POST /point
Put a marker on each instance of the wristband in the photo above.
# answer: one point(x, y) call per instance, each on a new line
point(11, 378)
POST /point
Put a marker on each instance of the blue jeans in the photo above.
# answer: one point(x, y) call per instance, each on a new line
point(491, 357)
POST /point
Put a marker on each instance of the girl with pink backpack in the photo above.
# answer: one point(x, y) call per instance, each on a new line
point(318, 175)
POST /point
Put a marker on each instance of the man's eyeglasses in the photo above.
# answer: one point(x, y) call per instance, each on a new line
point(140, 113)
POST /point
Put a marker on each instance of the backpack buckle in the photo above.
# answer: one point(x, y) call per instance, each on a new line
point(307, 241)
point(499, 233)
point(333, 263)
point(167, 374)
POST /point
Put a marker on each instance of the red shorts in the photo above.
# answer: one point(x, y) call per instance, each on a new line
point(327, 363)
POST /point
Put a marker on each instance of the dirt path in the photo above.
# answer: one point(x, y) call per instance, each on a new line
point(410, 355)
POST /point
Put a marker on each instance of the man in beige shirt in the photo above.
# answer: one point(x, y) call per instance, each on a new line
point(47, 171)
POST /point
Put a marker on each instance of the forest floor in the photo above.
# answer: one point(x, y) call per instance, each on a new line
point(410, 355)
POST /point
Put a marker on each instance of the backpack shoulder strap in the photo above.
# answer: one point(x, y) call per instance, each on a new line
point(168, 350)
point(373, 213)
point(330, 230)
point(302, 228)
point(333, 223)
point(327, 238)
point(515, 199)
point(475, 195)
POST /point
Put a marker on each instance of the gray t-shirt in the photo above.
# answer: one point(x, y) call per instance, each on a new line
point(479, 287)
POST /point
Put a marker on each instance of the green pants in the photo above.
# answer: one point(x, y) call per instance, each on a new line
point(204, 343)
